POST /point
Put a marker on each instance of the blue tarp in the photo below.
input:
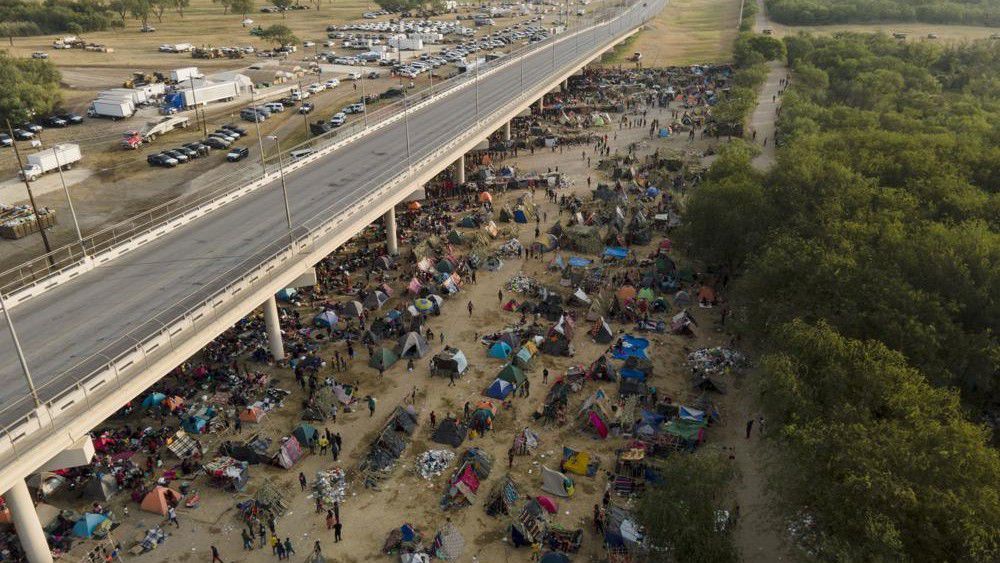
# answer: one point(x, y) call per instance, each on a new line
point(652, 418)
point(631, 346)
point(615, 252)
point(627, 373)
point(519, 216)
point(499, 389)
point(664, 132)
point(194, 425)
point(500, 350)
point(578, 262)
point(287, 294)
point(652, 192)
point(688, 413)
point(84, 527)
point(153, 399)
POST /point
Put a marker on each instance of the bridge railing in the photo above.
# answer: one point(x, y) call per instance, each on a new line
point(38, 273)
point(93, 378)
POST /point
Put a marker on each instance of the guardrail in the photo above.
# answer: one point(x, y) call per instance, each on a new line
point(92, 379)
point(40, 274)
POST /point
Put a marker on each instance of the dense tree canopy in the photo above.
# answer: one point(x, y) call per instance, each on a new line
point(56, 16)
point(822, 12)
point(867, 262)
point(27, 87)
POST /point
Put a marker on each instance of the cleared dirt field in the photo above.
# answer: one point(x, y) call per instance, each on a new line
point(914, 31)
point(686, 32)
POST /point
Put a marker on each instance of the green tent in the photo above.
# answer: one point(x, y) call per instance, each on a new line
point(512, 374)
point(685, 429)
point(647, 294)
point(455, 237)
point(383, 358)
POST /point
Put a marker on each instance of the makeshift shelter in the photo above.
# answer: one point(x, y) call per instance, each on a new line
point(581, 238)
point(252, 413)
point(502, 498)
point(530, 526)
point(102, 486)
point(228, 473)
point(482, 417)
point(450, 432)
point(525, 356)
point(602, 332)
point(383, 359)
point(595, 414)
point(375, 300)
point(449, 361)
point(159, 500)
point(412, 345)
point(326, 319)
point(306, 434)
point(525, 442)
point(153, 400)
point(499, 389)
point(448, 543)
point(579, 462)
point(91, 524)
point(622, 530)
point(353, 309)
point(601, 369)
point(558, 340)
point(513, 375)
point(500, 350)
point(554, 556)
point(288, 454)
point(287, 294)
point(554, 482)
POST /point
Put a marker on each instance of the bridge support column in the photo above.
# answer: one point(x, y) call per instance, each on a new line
point(391, 243)
point(541, 104)
point(460, 172)
point(29, 529)
point(565, 85)
point(506, 131)
point(273, 326)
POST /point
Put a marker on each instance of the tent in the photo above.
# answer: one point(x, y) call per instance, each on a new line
point(173, 403)
point(194, 424)
point(646, 294)
point(450, 432)
point(455, 237)
point(547, 503)
point(485, 197)
point(626, 293)
point(375, 300)
point(412, 345)
point(47, 483)
point(326, 319)
point(423, 305)
point(158, 500)
point(511, 338)
point(579, 462)
point(499, 389)
point(383, 359)
point(287, 294)
point(482, 418)
point(153, 400)
point(288, 453)
point(445, 266)
point(449, 543)
point(502, 497)
point(520, 216)
point(525, 356)
point(182, 445)
point(306, 434)
point(554, 557)
point(88, 524)
point(449, 361)
point(500, 350)
point(557, 341)
point(353, 309)
point(253, 413)
point(554, 482)
point(513, 375)
point(622, 530)
point(602, 332)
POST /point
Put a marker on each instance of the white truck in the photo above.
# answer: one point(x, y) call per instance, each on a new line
point(184, 73)
point(115, 108)
point(137, 96)
point(63, 156)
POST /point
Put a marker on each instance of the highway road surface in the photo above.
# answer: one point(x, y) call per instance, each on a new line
point(71, 330)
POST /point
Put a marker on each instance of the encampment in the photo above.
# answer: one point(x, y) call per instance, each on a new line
point(159, 500)
point(449, 361)
point(554, 482)
point(383, 359)
point(412, 345)
point(450, 432)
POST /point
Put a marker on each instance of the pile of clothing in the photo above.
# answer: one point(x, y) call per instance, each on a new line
point(432, 463)
point(716, 360)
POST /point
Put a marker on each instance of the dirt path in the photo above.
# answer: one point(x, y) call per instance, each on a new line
point(764, 115)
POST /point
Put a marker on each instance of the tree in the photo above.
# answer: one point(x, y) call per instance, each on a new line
point(141, 9)
point(225, 5)
point(18, 29)
point(242, 7)
point(180, 5)
point(279, 35)
point(681, 515)
point(283, 5)
point(158, 7)
point(27, 87)
point(122, 8)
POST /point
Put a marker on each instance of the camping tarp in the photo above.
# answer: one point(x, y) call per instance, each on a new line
point(289, 453)
point(555, 483)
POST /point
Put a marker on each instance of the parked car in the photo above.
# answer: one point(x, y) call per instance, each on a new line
point(147, 29)
point(39, 55)
point(275, 107)
point(190, 153)
point(215, 143)
point(288, 102)
point(237, 153)
point(354, 108)
point(227, 135)
point(299, 95)
point(22, 135)
point(235, 129)
point(200, 148)
point(316, 88)
point(332, 83)
point(33, 127)
point(306, 108)
point(5, 140)
point(338, 119)
point(71, 118)
point(298, 154)
point(180, 157)
point(55, 121)
point(160, 159)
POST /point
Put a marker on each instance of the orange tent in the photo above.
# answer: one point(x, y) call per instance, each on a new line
point(414, 206)
point(626, 292)
point(158, 500)
point(252, 414)
point(485, 197)
point(706, 293)
point(173, 403)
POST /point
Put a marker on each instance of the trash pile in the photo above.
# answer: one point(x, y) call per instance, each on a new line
point(715, 360)
point(432, 463)
point(512, 247)
point(330, 486)
point(521, 283)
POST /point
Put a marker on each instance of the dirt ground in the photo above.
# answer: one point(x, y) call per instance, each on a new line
point(686, 32)
point(914, 31)
point(368, 515)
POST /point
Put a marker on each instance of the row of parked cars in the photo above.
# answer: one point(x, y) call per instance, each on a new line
point(220, 139)
point(27, 131)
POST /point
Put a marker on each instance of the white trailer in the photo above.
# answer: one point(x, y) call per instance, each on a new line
point(153, 90)
point(110, 107)
point(406, 44)
point(59, 156)
point(137, 96)
point(209, 92)
point(154, 129)
point(185, 73)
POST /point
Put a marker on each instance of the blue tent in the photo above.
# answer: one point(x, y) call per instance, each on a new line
point(688, 413)
point(287, 294)
point(84, 527)
point(523, 356)
point(409, 534)
point(652, 192)
point(326, 319)
point(194, 424)
point(499, 389)
point(615, 252)
point(153, 400)
point(628, 373)
point(577, 262)
point(664, 132)
point(500, 350)
point(520, 216)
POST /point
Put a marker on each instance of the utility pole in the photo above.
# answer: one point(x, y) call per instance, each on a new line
point(31, 195)
point(194, 100)
point(256, 124)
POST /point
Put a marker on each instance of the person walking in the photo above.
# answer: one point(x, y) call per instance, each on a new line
point(274, 544)
point(371, 406)
point(510, 458)
point(247, 540)
point(500, 296)
point(324, 443)
point(470, 308)
point(451, 379)
point(749, 428)
point(279, 550)
point(336, 511)
point(261, 535)
point(172, 516)
point(289, 550)
point(302, 484)
point(337, 529)
point(433, 418)
point(335, 450)
point(215, 555)
point(545, 376)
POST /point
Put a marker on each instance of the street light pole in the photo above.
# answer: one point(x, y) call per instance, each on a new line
point(364, 101)
point(406, 126)
point(284, 188)
point(256, 124)
point(20, 352)
point(69, 200)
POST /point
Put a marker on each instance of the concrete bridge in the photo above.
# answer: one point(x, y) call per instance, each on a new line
point(104, 321)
